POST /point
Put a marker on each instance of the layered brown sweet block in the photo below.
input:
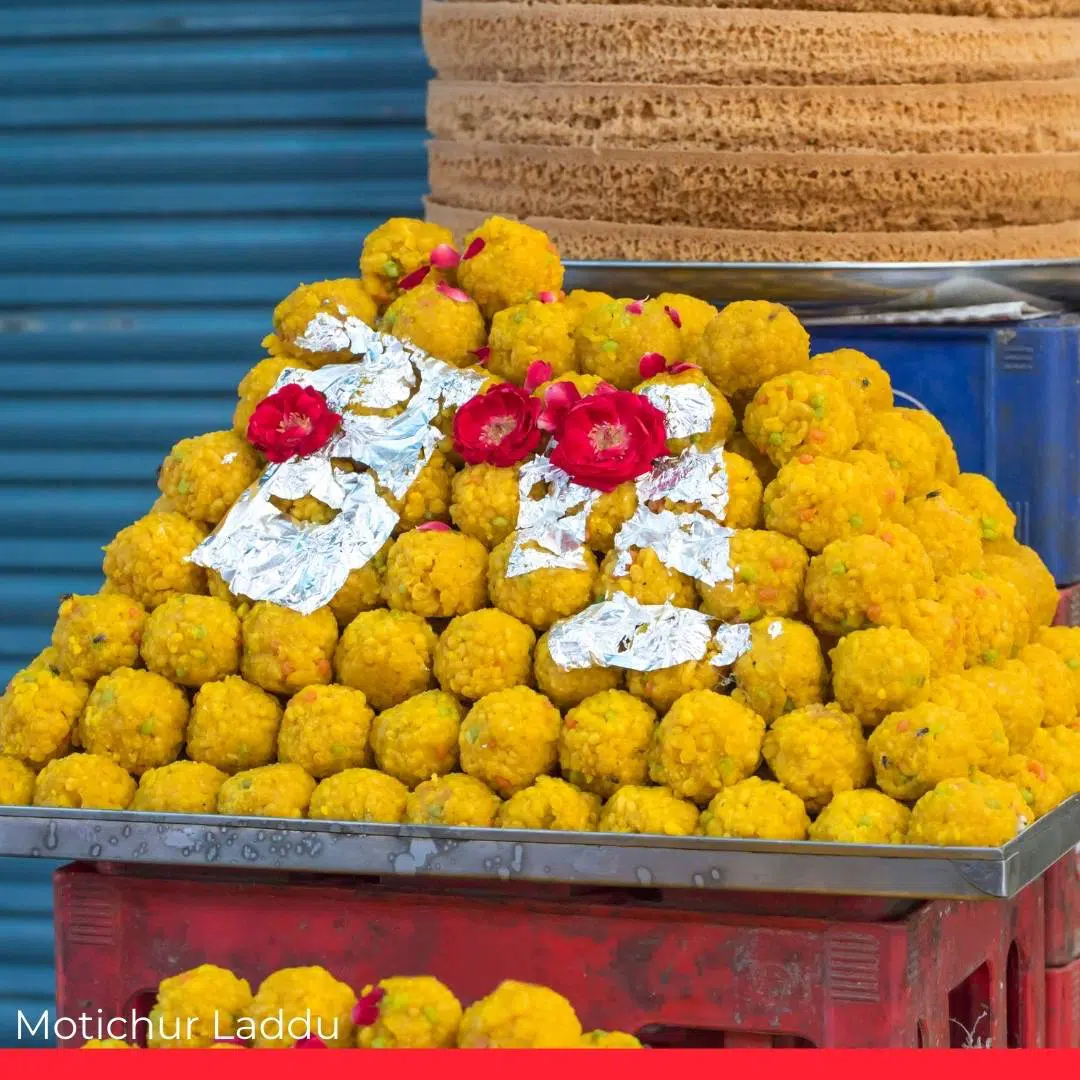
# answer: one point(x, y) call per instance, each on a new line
point(758, 132)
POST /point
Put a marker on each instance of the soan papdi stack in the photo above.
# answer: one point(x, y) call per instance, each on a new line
point(801, 130)
point(476, 553)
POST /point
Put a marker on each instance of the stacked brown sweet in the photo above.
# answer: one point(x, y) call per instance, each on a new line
point(695, 129)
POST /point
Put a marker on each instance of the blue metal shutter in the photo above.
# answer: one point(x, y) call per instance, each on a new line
point(171, 169)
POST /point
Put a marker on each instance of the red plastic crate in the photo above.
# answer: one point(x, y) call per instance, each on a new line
point(1062, 887)
point(1063, 1007)
point(947, 974)
point(1068, 610)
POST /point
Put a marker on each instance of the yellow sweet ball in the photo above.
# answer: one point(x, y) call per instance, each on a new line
point(755, 809)
point(817, 752)
point(936, 626)
point(482, 652)
point(584, 384)
point(916, 748)
point(278, 791)
point(509, 738)
point(768, 573)
point(1040, 789)
point(611, 339)
point(1028, 573)
point(749, 342)
point(396, 249)
point(441, 321)
point(865, 381)
point(782, 670)
point(745, 493)
point(567, 687)
point(94, 635)
point(975, 812)
point(258, 384)
point(948, 535)
point(610, 1040)
point(946, 466)
point(387, 654)
point(540, 597)
point(611, 510)
point(297, 1002)
point(664, 686)
point(505, 263)
point(648, 810)
point(324, 729)
point(705, 742)
point(687, 427)
point(646, 579)
point(885, 483)
point(233, 725)
point(816, 500)
point(38, 714)
point(525, 333)
point(856, 583)
point(517, 1015)
point(414, 1012)
point(1058, 748)
point(436, 574)
point(1065, 641)
point(548, 803)
point(84, 782)
point(996, 519)
point(306, 320)
point(863, 816)
point(192, 640)
point(993, 614)
point(579, 302)
point(905, 446)
point(202, 477)
point(879, 671)
point(418, 738)
point(285, 651)
point(604, 742)
point(800, 414)
point(427, 498)
point(197, 1008)
point(16, 782)
point(148, 560)
point(362, 590)
point(217, 588)
point(1053, 681)
point(107, 1044)
point(359, 795)
point(136, 718)
point(184, 787)
point(484, 503)
point(968, 697)
point(910, 551)
point(690, 316)
point(1014, 695)
point(455, 799)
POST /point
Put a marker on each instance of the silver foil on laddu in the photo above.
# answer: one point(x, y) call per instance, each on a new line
point(623, 633)
point(687, 407)
point(330, 332)
point(260, 552)
point(693, 542)
point(550, 530)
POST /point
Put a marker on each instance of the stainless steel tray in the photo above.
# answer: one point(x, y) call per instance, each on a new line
point(839, 290)
point(516, 855)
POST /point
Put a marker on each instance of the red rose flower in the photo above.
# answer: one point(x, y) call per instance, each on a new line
point(294, 422)
point(366, 1010)
point(497, 427)
point(607, 439)
point(537, 373)
point(558, 397)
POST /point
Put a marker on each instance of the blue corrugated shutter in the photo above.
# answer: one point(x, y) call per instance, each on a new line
point(170, 169)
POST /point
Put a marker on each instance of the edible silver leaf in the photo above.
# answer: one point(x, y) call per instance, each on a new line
point(550, 529)
point(328, 333)
point(687, 407)
point(623, 633)
point(263, 554)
